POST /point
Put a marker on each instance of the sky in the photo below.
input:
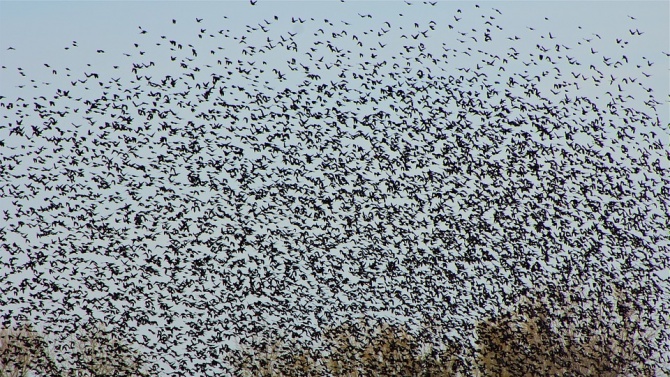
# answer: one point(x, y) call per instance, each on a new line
point(43, 31)
point(52, 45)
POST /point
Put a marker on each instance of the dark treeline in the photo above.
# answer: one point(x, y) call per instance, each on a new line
point(537, 337)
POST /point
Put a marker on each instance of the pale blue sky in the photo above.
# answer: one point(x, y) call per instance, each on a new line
point(40, 30)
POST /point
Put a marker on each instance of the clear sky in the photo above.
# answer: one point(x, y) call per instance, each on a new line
point(603, 49)
point(41, 29)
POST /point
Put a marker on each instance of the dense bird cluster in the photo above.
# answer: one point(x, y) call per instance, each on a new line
point(296, 175)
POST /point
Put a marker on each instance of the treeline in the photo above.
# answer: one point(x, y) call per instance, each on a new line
point(536, 338)
point(539, 337)
point(92, 352)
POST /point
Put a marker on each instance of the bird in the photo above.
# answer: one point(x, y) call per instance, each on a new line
point(288, 183)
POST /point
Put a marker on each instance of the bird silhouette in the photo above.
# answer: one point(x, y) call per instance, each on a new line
point(289, 181)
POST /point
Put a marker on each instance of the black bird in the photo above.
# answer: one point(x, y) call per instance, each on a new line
point(311, 182)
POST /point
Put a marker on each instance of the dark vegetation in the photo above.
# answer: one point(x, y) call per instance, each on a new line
point(91, 352)
point(539, 337)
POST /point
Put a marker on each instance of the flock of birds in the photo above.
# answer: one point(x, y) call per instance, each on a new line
point(298, 175)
